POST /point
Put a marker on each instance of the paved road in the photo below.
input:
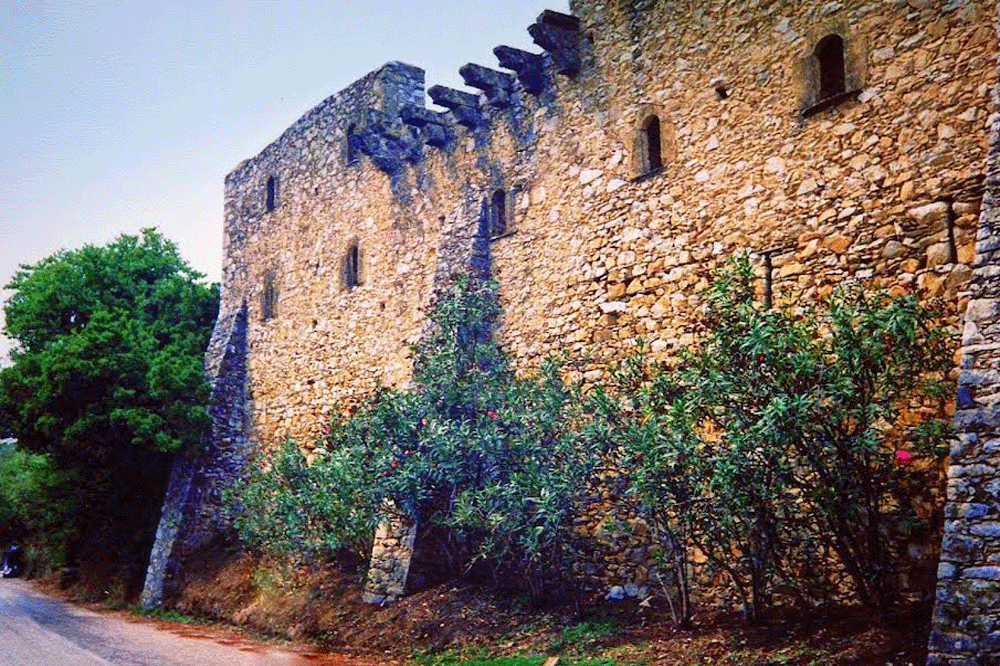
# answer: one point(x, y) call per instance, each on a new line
point(36, 630)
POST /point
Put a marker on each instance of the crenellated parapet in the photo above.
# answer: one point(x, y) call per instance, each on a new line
point(383, 117)
point(435, 127)
point(393, 134)
point(389, 143)
point(464, 106)
point(497, 86)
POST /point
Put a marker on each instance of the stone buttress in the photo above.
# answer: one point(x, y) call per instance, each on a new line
point(966, 628)
point(195, 509)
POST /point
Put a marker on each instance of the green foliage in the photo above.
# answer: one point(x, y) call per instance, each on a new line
point(35, 499)
point(291, 508)
point(110, 347)
point(489, 464)
point(585, 636)
point(473, 658)
point(462, 659)
point(773, 441)
point(107, 381)
point(769, 447)
point(24, 482)
point(168, 615)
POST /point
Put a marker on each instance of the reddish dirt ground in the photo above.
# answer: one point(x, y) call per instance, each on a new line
point(316, 613)
point(322, 604)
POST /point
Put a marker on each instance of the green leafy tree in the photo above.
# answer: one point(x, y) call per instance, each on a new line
point(107, 375)
point(780, 436)
point(36, 500)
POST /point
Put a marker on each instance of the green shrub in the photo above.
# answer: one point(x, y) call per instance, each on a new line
point(490, 465)
point(776, 441)
point(106, 379)
point(769, 447)
point(586, 635)
point(36, 500)
point(290, 508)
point(457, 659)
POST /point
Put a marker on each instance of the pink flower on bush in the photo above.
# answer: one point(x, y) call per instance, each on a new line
point(903, 457)
point(492, 414)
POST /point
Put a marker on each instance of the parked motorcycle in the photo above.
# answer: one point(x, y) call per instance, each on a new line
point(13, 563)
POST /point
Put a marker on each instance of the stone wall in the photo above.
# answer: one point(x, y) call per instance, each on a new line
point(967, 613)
point(392, 553)
point(327, 340)
point(828, 196)
point(336, 233)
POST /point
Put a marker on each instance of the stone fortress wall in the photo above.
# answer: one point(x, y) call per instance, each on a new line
point(601, 248)
point(647, 143)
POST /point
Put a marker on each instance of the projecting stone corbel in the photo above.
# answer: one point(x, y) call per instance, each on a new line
point(464, 106)
point(498, 86)
point(530, 67)
point(387, 144)
point(559, 34)
point(433, 125)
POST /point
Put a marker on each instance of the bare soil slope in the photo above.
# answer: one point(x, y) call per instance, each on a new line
point(322, 604)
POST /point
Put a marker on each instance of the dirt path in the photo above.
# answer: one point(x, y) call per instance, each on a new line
point(38, 630)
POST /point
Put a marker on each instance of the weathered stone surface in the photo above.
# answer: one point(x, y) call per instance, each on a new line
point(893, 250)
point(559, 35)
point(530, 67)
point(982, 309)
point(463, 105)
point(498, 86)
point(931, 213)
point(969, 576)
point(392, 552)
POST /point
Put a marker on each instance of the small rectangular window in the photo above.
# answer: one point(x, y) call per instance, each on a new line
point(829, 53)
point(269, 299)
point(653, 158)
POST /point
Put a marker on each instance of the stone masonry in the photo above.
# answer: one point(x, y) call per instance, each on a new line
point(391, 557)
point(967, 612)
point(643, 145)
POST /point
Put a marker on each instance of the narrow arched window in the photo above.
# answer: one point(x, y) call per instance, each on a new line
point(498, 214)
point(271, 194)
point(832, 71)
point(652, 150)
point(351, 268)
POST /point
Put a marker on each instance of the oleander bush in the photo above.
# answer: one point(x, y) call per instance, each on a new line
point(780, 446)
point(489, 464)
point(778, 449)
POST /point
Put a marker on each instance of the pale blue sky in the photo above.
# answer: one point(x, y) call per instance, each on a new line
point(121, 115)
